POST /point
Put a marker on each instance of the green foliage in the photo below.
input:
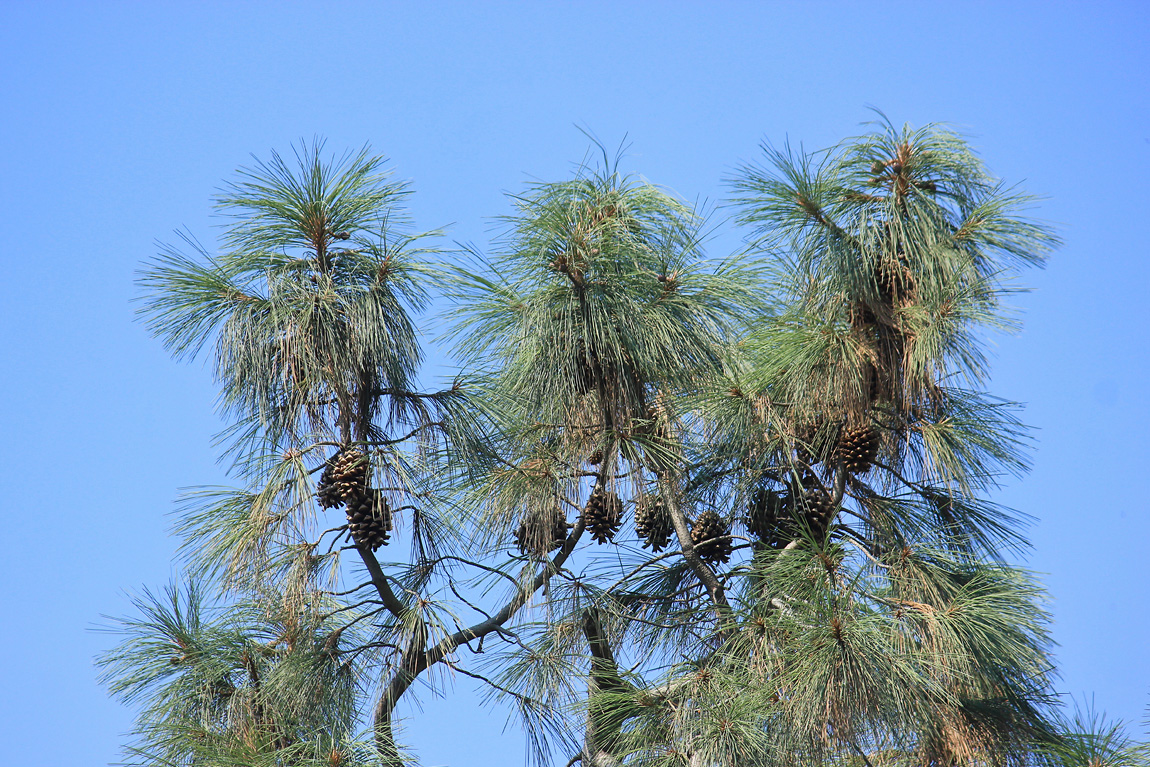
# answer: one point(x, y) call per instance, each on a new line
point(896, 246)
point(235, 684)
point(1089, 738)
point(308, 305)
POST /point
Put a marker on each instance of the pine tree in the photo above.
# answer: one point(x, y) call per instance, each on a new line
point(703, 513)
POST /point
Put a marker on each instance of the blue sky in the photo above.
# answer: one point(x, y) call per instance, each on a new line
point(122, 119)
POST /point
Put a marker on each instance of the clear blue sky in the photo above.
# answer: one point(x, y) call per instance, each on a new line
point(121, 119)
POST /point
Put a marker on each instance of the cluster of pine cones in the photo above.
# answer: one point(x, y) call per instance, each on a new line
point(344, 482)
point(774, 518)
point(709, 533)
point(776, 521)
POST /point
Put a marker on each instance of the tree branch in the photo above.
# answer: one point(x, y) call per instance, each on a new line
point(379, 580)
point(416, 661)
point(704, 572)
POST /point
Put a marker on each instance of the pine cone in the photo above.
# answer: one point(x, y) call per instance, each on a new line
point(539, 534)
point(653, 523)
point(766, 516)
point(817, 511)
point(711, 538)
point(857, 448)
point(325, 492)
point(344, 478)
point(369, 519)
point(603, 515)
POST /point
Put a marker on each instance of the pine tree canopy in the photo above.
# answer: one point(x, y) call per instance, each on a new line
point(677, 510)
